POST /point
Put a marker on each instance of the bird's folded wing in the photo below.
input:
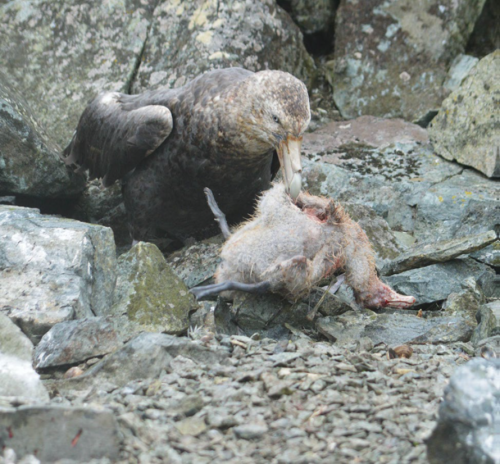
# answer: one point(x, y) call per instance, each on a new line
point(112, 138)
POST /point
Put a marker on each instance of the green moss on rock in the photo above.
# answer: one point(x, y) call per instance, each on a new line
point(150, 293)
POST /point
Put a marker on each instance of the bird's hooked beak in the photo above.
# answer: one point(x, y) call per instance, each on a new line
point(289, 156)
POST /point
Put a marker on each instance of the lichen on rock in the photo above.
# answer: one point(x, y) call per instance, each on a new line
point(189, 38)
point(467, 127)
point(149, 292)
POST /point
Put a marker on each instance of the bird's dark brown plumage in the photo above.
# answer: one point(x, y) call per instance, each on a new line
point(220, 131)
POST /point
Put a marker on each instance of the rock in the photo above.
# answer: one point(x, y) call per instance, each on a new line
point(29, 164)
point(54, 433)
point(254, 313)
point(189, 38)
point(72, 342)
point(331, 304)
point(439, 252)
point(381, 237)
point(491, 288)
point(191, 426)
point(106, 208)
point(149, 292)
point(12, 341)
point(487, 332)
point(467, 127)
point(489, 255)
point(465, 303)
point(18, 379)
point(196, 264)
point(187, 407)
point(441, 205)
point(53, 269)
point(212, 317)
point(61, 54)
point(397, 329)
point(347, 328)
point(435, 283)
point(363, 131)
point(145, 356)
point(414, 190)
point(250, 431)
point(391, 58)
point(468, 416)
point(460, 68)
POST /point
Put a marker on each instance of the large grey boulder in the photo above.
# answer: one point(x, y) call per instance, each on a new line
point(59, 433)
point(29, 163)
point(393, 329)
point(53, 269)
point(62, 53)
point(467, 127)
point(188, 38)
point(469, 416)
point(392, 57)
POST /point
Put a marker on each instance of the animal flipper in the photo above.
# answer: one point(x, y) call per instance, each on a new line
point(115, 133)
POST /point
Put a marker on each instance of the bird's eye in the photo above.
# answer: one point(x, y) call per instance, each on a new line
point(276, 119)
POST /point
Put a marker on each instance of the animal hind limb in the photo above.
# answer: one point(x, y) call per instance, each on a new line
point(214, 289)
point(220, 217)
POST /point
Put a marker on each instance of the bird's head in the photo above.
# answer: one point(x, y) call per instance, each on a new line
point(276, 116)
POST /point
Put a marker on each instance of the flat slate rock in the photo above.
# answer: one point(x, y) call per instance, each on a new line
point(439, 252)
point(145, 356)
point(393, 329)
point(397, 329)
point(54, 433)
point(435, 283)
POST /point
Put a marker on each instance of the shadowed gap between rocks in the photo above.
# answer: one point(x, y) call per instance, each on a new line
point(61, 206)
point(318, 42)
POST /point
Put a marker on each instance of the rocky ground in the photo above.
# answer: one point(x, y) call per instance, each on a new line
point(295, 400)
point(105, 356)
